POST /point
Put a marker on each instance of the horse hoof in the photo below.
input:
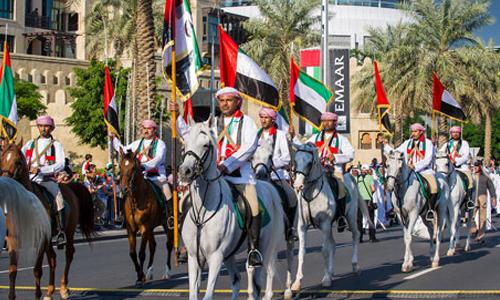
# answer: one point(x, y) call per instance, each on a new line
point(356, 270)
point(139, 283)
point(450, 252)
point(165, 276)
point(47, 298)
point(435, 264)
point(288, 294)
point(406, 269)
point(467, 248)
point(296, 287)
point(326, 282)
point(64, 295)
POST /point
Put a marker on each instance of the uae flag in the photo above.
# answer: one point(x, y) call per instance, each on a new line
point(282, 119)
point(8, 104)
point(110, 107)
point(178, 30)
point(443, 102)
point(383, 105)
point(308, 96)
point(239, 71)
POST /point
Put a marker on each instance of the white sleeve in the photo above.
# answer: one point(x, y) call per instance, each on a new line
point(158, 159)
point(281, 155)
point(58, 166)
point(429, 155)
point(464, 154)
point(347, 154)
point(247, 148)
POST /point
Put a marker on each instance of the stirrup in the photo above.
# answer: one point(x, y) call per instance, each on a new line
point(470, 204)
point(291, 234)
point(341, 226)
point(430, 215)
point(257, 263)
point(170, 223)
point(61, 240)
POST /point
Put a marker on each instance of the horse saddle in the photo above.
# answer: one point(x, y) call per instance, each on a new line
point(243, 212)
point(464, 179)
point(159, 196)
point(341, 195)
point(425, 190)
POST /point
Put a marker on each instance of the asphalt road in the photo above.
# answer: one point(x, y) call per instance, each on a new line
point(104, 271)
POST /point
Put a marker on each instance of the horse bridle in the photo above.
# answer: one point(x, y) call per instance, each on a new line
point(13, 175)
point(130, 187)
point(199, 167)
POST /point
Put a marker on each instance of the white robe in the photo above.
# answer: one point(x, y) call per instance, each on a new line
point(281, 155)
point(46, 170)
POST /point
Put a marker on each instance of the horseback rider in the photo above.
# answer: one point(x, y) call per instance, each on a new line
point(280, 161)
point(335, 151)
point(459, 153)
point(236, 143)
point(45, 157)
point(419, 153)
point(151, 153)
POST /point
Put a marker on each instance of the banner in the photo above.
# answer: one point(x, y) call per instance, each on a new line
point(340, 84)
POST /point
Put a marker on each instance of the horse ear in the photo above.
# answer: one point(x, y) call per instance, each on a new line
point(121, 152)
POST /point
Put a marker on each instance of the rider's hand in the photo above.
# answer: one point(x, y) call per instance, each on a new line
point(331, 157)
point(173, 106)
point(493, 202)
point(291, 131)
point(34, 170)
point(222, 169)
point(411, 165)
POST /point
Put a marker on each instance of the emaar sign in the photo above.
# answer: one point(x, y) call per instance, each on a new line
point(339, 82)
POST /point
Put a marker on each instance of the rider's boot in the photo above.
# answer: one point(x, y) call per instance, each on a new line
point(341, 221)
point(429, 216)
point(254, 255)
point(291, 232)
point(61, 236)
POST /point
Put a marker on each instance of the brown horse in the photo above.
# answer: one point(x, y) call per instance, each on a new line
point(142, 214)
point(80, 212)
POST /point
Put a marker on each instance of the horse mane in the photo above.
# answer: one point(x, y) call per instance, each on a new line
point(27, 215)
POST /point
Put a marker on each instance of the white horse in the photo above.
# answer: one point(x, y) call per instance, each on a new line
point(28, 226)
point(262, 163)
point(457, 198)
point(211, 231)
point(317, 208)
point(409, 205)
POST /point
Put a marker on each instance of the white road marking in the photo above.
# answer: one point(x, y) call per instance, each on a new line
point(497, 246)
point(423, 272)
point(22, 269)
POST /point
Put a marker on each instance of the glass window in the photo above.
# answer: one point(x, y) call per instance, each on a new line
point(10, 42)
point(7, 9)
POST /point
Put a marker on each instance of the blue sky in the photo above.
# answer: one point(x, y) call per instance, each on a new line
point(492, 31)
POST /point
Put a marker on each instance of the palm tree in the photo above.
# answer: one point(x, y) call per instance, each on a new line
point(425, 46)
point(285, 24)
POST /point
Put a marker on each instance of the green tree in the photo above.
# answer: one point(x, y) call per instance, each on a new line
point(427, 45)
point(87, 118)
point(285, 24)
point(28, 99)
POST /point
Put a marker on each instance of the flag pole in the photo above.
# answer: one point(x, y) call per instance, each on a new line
point(174, 152)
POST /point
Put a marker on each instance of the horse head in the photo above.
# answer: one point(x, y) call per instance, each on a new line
point(262, 160)
point(130, 170)
point(199, 153)
point(395, 164)
point(13, 162)
point(307, 165)
point(443, 164)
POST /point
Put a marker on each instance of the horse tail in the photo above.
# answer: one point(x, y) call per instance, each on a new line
point(86, 207)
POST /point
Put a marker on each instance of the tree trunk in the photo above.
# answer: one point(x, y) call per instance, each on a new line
point(144, 78)
point(487, 137)
point(398, 125)
point(442, 131)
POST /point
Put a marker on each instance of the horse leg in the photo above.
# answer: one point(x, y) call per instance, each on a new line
point(142, 254)
point(234, 275)
point(194, 277)
point(152, 247)
point(470, 221)
point(352, 220)
point(132, 241)
point(269, 263)
point(408, 259)
point(52, 260)
point(302, 233)
point(454, 214)
point(38, 272)
point(254, 282)
point(12, 271)
point(170, 246)
point(214, 265)
point(70, 252)
point(289, 259)
point(328, 250)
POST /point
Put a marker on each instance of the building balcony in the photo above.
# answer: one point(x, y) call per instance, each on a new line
point(65, 22)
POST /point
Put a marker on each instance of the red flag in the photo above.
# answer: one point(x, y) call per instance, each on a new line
point(188, 110)
point(110, 107)
point(383, 105)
